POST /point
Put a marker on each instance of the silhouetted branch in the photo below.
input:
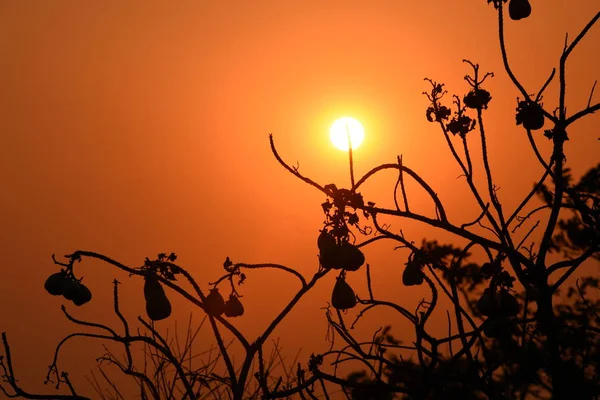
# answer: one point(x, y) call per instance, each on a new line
point(414, 175)
point(274, 266)
point(292, 170)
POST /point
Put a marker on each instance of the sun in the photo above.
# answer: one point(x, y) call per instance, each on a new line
point(344, 127)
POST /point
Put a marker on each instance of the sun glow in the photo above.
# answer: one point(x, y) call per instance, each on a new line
point(344, 130)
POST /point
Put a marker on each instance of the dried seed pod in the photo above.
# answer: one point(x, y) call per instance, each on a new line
point(412, 274)
point(508, 305)
point(71, 289)
point(84, 295)
point(233, 307)
point(496, 327)
point(487, 270)
point(343, 296)
point(330, 257)
point(519, 9)
point(487, 303)
point(351, 258)
point(158, 306)
point(214, 304)
point(325, 240)
point(55, 284)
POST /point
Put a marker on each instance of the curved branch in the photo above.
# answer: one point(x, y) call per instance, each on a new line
point(439, 224)
point(414, 175)
point(571, 264)
point(293, 171)
point(528, 197)
point(274, 266)
point(261, 339)
point(562, 67)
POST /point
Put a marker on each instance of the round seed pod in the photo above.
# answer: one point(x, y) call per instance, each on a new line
point(233, 307)
point(519, 9)
point(55, 284)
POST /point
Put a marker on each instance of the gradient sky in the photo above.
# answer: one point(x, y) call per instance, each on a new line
point(132, 128)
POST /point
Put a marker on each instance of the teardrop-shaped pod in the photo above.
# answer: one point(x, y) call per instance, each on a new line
point(152, 288)
point(71, 289)
point(519, 9)
point(325, 240)
point(508, 304)
point(351, 258)
point(487, 303)
point(84, 295)
point(487, 270)
point(330, 257)
point(343, 296)
point(158, 306)
point(233, 307)
point(412, 274)
point(55, 284)
point(214, 304)
point(496, 327)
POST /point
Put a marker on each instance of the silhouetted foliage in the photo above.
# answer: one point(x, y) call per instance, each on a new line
point(515, 329)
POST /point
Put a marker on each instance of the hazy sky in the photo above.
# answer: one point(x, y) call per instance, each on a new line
point(132, 128)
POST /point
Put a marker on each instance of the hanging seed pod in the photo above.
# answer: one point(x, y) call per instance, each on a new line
point(71, 289)
point(496, 327)
point(233, 307)
point(412, 274)
point(330, 257)
point(158, 306)
point(343, 296)
point(508, 305)
point(351, 258)
point(84, 295)
point(519, 9)
point(325, 240)
point(55, 284)
point(487, 269)
point(329, 251)
point(487, 303)
point(214, 304)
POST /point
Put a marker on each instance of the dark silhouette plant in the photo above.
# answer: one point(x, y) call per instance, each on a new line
point(514, 331)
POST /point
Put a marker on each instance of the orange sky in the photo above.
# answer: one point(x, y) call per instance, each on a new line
point(132, 128)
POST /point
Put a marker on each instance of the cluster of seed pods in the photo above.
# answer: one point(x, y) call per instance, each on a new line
point(158, 306)
point(340, 254)
point(216, 306)
point(66, 285)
